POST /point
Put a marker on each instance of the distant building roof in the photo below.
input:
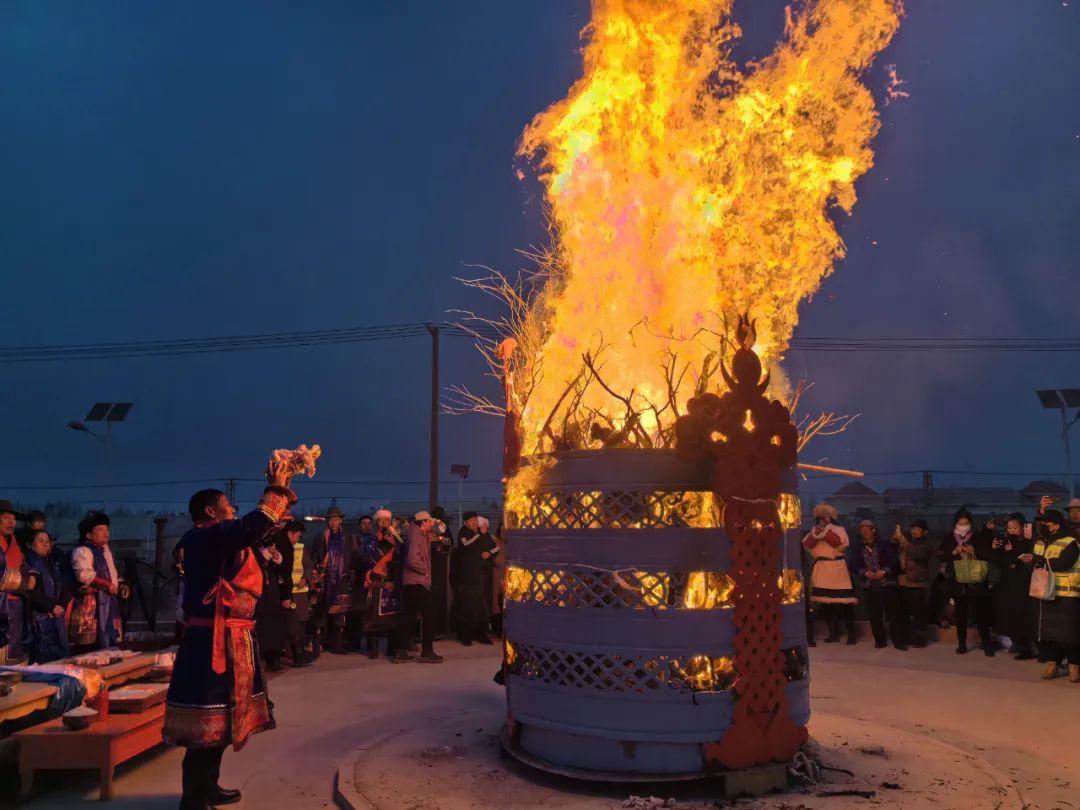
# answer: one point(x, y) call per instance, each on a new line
point(1044, 487)
point(855, 489)
point(973, 496)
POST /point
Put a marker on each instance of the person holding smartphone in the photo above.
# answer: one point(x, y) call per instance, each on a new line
point(1012, 553)
point(915, 553)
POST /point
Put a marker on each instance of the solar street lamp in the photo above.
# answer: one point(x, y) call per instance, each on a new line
point(1061, 400)
point(109, 413)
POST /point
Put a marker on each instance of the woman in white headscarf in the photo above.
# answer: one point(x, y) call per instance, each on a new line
point(830, 581)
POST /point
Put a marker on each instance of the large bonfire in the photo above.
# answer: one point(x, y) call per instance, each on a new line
point(682, 191)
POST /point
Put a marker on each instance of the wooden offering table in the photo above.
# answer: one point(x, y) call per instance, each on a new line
point(104, 745)
point(25, 698)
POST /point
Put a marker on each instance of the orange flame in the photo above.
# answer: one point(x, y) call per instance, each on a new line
point(684, 191)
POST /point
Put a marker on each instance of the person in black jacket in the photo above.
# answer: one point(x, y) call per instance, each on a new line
point(972, 599)
point(876, 568)
point(1015, 614)
point(270, 611)
point(471, 554)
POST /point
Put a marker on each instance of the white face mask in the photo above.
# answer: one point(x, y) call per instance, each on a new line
point(963, 528)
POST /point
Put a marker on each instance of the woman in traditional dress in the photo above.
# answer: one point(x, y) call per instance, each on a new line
point(49, 600)
point(95, 616)
point(337, 558)
point(830, 581)
point(382, 585)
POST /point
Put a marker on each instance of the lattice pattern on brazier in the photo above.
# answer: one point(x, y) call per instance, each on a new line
point(617, 510)
point(637, 590)
point(610, 672)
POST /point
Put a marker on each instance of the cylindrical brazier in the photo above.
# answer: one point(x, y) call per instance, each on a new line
point(619, 620)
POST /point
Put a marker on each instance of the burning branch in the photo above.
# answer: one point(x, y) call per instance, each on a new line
point(825, 424)
point(460, 400)
point(521, 324)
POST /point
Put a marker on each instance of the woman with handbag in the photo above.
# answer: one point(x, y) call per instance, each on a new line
point(967, 557)
point(1058, 613)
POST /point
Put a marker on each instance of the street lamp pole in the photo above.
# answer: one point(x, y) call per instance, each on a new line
point(462, 472)
point(1061, 400)
point(107, 412)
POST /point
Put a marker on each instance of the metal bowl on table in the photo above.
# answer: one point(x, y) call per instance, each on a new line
point(79, 718)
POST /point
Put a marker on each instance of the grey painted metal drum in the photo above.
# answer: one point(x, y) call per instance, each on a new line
point(618, 618)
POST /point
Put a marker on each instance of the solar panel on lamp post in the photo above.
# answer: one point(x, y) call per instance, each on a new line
point(1061, 400)
point(109, 413)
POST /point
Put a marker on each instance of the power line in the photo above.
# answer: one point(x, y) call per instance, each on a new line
point(381, 482)
point(218, 479)
point(283, 340)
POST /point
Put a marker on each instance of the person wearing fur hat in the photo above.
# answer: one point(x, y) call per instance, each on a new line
point(337, 557)
point(95, 617)
point(830, 581)
point(972, 600)
point(1058, 620)
point(16, 578)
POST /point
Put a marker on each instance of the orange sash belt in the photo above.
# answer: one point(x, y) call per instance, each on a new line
point(223, 595)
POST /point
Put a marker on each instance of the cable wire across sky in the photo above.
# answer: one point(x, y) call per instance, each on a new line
point(360, 334)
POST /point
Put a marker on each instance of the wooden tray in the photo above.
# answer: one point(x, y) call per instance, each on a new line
point(136, 698)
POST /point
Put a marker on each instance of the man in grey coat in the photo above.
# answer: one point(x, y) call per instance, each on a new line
point(416, 591)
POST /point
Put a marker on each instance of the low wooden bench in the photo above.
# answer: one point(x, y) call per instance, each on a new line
point(104, 745)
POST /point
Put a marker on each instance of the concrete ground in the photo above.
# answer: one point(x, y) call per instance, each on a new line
point(992, 719)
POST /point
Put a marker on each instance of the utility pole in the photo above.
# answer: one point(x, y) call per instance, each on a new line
point(230, 490)
point(159, 562)
point(434, 473)
point(927, 487)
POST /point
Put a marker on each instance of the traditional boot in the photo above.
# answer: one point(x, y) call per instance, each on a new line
point(852, 638)
point(1074, 673)
point(1051, 671)
point(834, 630)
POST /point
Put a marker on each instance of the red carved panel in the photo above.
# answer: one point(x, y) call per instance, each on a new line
point(752, 443)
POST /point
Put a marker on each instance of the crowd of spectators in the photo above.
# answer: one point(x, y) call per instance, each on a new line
point(369, 589)
point(1016, 582)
